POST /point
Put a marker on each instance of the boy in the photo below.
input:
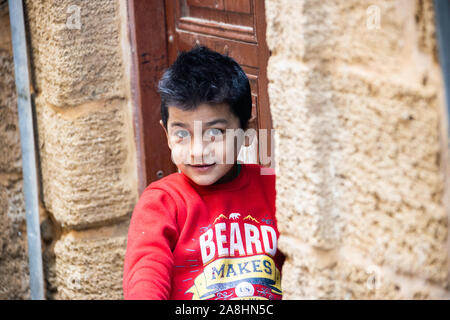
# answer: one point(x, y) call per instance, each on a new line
point(208, 231)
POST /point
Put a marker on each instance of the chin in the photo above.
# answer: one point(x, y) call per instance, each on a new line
point(203, 181)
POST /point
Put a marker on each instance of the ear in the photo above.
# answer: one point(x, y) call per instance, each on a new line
point(251, 124)
point(167, 134)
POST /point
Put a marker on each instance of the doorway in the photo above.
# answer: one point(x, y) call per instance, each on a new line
point(159, 31)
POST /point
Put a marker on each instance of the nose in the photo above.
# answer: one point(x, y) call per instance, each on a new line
point(197, 149)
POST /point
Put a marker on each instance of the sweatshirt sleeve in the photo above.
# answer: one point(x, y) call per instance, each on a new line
point(152, 236)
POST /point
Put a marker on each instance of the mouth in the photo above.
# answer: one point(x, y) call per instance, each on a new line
point(202, 167)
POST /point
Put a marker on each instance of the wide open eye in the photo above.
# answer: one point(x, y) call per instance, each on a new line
point(214, 132)
point(181, 134)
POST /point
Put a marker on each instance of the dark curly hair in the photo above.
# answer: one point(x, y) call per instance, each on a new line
point(205, 76)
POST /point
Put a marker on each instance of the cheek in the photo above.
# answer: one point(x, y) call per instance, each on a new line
point(180, 153)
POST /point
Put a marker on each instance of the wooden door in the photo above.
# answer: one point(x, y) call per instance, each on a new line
point(158, 31)
point(149, 60)
point(233, 27)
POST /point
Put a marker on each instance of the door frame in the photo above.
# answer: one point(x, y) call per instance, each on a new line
point(149, 59)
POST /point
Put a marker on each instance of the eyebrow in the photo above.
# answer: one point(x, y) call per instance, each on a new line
point(178, 124)
point(207, 124)
point(211, 123)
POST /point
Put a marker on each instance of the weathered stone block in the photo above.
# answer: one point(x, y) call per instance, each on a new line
point(14, 279)
point(75, 63)
point(392, 178)
point(346, 273)
point(89, 264)
point(307, 138)
point(359, 32)
point(357, 118)
point(87, 166)
point(10, 155)
point(367, 171)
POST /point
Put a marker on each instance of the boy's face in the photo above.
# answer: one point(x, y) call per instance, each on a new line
point(203, 143)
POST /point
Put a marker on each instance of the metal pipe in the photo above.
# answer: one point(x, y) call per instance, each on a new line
point(27, 142)
point(442, 12)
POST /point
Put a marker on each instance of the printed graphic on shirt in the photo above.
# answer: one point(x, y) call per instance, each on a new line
point(237, 256)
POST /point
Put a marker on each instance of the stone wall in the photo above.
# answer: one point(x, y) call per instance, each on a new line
point(86, 143)
point(357, 105)
point(13, 238)
point(356, 100)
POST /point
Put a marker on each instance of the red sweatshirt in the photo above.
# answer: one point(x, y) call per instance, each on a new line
point(187, 241)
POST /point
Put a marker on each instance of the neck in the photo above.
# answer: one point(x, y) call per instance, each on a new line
point(230, 175)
